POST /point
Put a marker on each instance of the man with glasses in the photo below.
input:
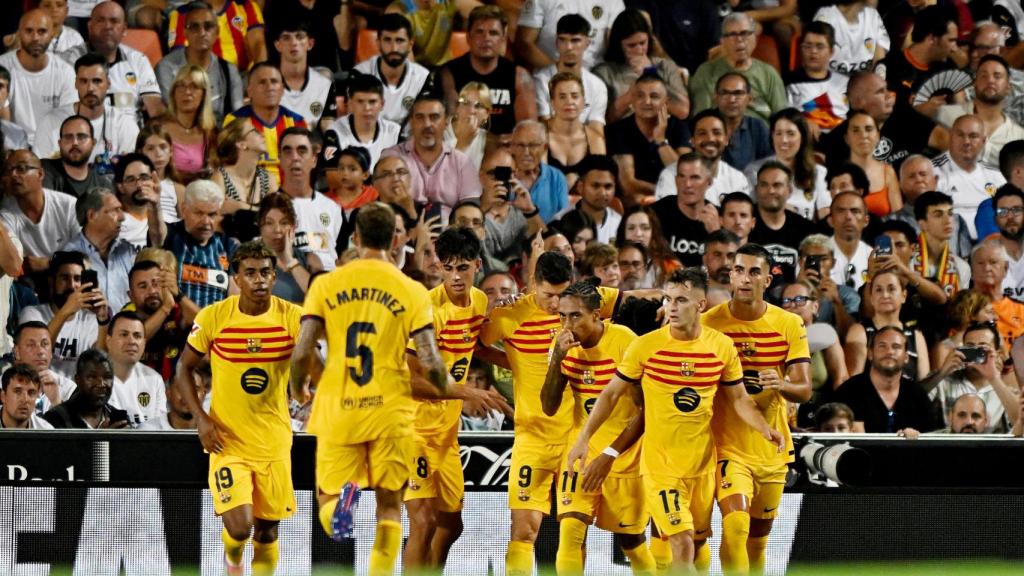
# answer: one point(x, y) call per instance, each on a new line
point(780, 231)
point(1009, 217)
point(962, 175)
point(201, 30)
point(139, 194)
point(814, 89)
point(306, 91)
point(240, 39)
point(403, 79)
point(989, 265)
point(747, 136)
point(441, 175)
point(548, 187)
point(572, 41)
point(72, 173)
point(738, 41)
point(44, 220)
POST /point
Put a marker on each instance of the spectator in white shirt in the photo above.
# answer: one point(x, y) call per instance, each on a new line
point(571, 43)
point(178, 416)
point(20, 391)
point(363, 125)
point(961, 173)
point(403, 79)
point(306, 91)
point(65, 38)
point(33, 347)
point(138, 389)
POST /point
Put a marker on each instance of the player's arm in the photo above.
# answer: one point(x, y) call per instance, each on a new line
point(491, 356)
point(304, 358)
point(606, 402)
point(209, 435)
point(430, 358)
point(797, 385)
point(554, 381)
point(598, 469)
point(748, 412)
point(476, 402)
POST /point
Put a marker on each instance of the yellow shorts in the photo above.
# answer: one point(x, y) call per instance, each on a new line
point(762, 485)
point(382, 463)
point(267, 486)
point(618, 507)
point(437, 473)
point(533, 468)
point(681, 504)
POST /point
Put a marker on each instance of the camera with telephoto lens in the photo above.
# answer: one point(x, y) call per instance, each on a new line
point(841, 464)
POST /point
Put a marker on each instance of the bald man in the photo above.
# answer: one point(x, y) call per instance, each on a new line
point(962, 175)
point(40, 81)
point(917, 176)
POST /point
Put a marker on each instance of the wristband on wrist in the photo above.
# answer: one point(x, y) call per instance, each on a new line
point(609, 451)
point(532, 213)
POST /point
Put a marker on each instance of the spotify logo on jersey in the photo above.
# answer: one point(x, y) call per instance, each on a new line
point(588, 405)
point(752, 382)
point(255, 381)
point(686, 400)
point(459, 369)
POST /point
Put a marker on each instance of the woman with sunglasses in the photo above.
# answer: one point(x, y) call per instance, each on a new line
point(245, 182)
point(887, 294)
point(467, 129)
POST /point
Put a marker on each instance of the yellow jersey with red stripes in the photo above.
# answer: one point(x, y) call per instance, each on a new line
point(369, 310)
point(527, 332)
point(251, 359)
point(272, 129)
point(680, 379)
point(774, 341)
point(234, 22)
point(457, 328)
point(589, 370)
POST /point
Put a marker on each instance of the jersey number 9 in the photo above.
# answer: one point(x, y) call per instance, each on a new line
point(353, 349)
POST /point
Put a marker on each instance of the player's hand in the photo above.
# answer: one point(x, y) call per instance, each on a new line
point(596, 472)
point(302, 395)
point(477, 402)
point(578, 452)
point(209, 435)
point(776, 438)
point(770, 380)
point(565, 341)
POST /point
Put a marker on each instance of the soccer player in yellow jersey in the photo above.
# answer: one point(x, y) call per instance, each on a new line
point(584, 356)
point(527, 328)
point(676, 372)
point(248, 434)
point(433, 498)
point(772, 345)
point(363, 412)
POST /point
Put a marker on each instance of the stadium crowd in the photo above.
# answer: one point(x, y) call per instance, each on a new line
point(873, 148)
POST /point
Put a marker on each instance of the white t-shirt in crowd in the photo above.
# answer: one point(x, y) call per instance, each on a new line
point(397, 99)
point(67, 44)
point(544, 15)
point(606, 232)
point(33, 95)
point(386, 136)
point(804, 202)
point(727, 180)
point(131, 77)
point(168, 203)
point(311, 100)
point(855, 43)
point(595, 95)
point(81, 8)
point(319, 224)
point(56, 226)
point(78, 334)
point(858, 273)
point(143, 395)
point(968, 189)
point(115, 131)
point(134, 230)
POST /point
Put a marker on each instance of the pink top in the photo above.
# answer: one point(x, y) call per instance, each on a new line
point(188, 158)
point(452, 179)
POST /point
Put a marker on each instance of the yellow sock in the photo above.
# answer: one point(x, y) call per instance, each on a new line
point(572, 532)
point(756, 546)
point(735, 529)
point(385, 548)
point(264, 558)
point(327, 513)
point(232, 548)
point(641, 560)
point(519, 559)
point(702, 556)
point(661, 551)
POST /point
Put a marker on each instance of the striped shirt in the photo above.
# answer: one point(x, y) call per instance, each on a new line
point(272, 131)
point(234, 22)
point(202, 270)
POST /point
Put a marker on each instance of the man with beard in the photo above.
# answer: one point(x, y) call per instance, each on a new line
point(633, 266)
point(981, 378)
point(749, 137)
point(20, 390)
point(962, 174)
point(933, 48)
point(1009, 217)
point(138, 389)
point(880, 397)
point(738, 216)
point(306, 90)
point(441, 175)
point(99, 212)
point(991, 89)
point(139, 192)
point(150, 290)
point(777, 229)
point(403, 79)
point(89, 407)
point(687, 217)
point(709, 140)
point(40, 82)
point(719, 254)
point(114, 131)
point(968, 415)
point(71, 173)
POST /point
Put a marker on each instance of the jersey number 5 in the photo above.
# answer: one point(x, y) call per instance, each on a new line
point(354, 350)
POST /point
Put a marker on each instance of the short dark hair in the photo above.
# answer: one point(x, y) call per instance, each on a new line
point(264, 64)
point(276, 201)
point(694, 276)
point(929, 199)
point(553, 268)
point(294, 25)
point(931, 21)
point(727, 75)
point(821, 29)
point(141, 266)
point(1007, 191)
point(722, 236)
point(375, 225)
point(997, 59)
point(692, 157)
point(736, 197)
point(989, 327)
point(457, 243)
point(294, 131)
point(601, 162)
point(365, 83)
point(586, 291)
point(426, 96)
point(91, 200)
point(124, 315)
point(63, 258)
point(393, 23)
point(650, 76)
point(1011, 156)
point(775, 165)
point(857, 174)
point(756, 250)
point(899, 227)
point(628, 244)
point(23, 370)
point(92, 357)
point(90, 59)
point(831, 410)
point(30, 325)
point(127, 160)
point(572, 24)
point(709, 113)
point(253, 249)
point(5, 74)
point(889, 328)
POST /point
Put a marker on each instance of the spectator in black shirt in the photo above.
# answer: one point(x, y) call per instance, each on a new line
point(686, 217)
point(933, 42)
point(686, 30)
point(777, 229)
point(89, 407)
point(72, 173)
point(880, 397)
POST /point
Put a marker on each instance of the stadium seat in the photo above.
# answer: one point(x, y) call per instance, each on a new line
point(145, 41)
point(366, 44)
point(459, 44)
point(768, 52)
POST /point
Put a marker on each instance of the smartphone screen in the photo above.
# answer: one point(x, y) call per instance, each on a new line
point(90, 277)
point(883, 245)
